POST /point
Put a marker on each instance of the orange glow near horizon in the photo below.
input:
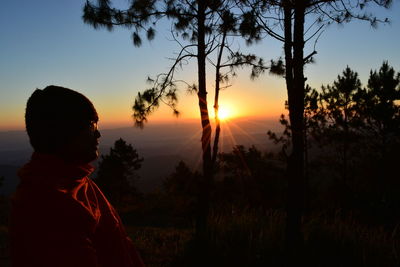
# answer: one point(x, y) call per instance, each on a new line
point(235, 103)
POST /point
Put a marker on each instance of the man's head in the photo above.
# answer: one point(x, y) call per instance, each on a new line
point(63, 122)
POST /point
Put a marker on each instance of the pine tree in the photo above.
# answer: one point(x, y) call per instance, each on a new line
point(342, 120)
point(285, 20)
point(116, 175)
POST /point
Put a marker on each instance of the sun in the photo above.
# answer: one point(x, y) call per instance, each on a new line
point(224, 113)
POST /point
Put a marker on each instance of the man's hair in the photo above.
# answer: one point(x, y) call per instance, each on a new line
point(54, 115)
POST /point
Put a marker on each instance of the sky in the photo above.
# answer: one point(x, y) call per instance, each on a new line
point(45, 42)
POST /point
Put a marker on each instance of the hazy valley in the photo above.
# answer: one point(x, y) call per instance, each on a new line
point(161, 145)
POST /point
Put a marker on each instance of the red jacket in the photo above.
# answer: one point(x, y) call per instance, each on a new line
point(61, 218)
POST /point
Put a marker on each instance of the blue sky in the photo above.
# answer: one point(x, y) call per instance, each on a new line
point(45, 42)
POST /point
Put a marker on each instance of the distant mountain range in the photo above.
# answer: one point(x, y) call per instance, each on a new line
point(161, 145)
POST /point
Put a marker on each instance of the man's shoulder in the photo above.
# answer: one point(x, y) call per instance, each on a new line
point(49, 207)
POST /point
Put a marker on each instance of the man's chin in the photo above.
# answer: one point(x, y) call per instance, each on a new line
point(91, 157)
point(94, 156)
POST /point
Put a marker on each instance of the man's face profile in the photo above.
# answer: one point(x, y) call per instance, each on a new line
point(63, 122)
point(83, 148)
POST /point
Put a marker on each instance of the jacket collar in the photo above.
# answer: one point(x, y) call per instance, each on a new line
point(52, 170)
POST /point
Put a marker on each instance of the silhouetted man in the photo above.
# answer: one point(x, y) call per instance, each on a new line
point(59, 216)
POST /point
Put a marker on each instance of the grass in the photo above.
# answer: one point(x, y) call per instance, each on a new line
point(255, 238)
point(159, 246)
point(4, 248)
point(345, 242)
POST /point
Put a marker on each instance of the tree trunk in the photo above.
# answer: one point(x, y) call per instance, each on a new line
point(216, 101)
point(203, 198)
point(306, 167)
point(345, 166)
point(295, 169)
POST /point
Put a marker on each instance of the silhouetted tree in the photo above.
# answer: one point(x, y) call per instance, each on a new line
point(269, 17)
point(116, 175)
point(234, 60)
point(347, 122)
point(313, 125)
point(361, 122)
point(182, 186)
point(341, 119)
point(380, 114)
point(249, 179)
point(378, 108)
point(198, 22)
